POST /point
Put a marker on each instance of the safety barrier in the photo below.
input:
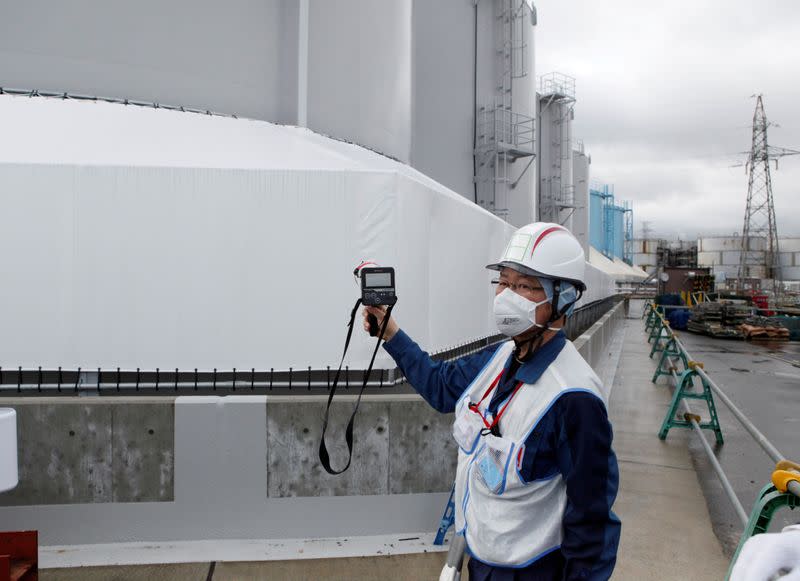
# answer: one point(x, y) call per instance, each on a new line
point(203, 382)
point(256, 380)
point(785, 488)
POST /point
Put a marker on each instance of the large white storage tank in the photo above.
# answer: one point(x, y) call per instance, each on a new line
point(724, 254)
point(645, 253)
point(581, 163)
point(789, 253)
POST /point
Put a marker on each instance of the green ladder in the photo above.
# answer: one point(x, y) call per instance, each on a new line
point(685, 390)
point(671, 349)
point(772, 497)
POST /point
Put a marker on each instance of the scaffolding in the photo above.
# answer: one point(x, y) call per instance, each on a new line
point(610, 223)
point(557, 193)
point(503, 136)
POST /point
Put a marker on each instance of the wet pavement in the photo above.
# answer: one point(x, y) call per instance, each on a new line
point(667, 532)
point(763, 380)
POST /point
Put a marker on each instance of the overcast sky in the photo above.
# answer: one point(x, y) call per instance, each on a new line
point(664, 102)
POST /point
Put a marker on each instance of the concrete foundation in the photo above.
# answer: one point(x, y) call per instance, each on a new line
point(80, 450)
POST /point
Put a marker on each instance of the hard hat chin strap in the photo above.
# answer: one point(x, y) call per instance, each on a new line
point(555, 315)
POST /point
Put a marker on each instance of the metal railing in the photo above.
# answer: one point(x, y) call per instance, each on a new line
point(99, 381)
point(556, 83)
point(501, 129)
point(587, 315)
point(661, 331)
point(117, 101)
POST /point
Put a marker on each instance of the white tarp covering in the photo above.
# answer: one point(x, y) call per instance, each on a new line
point(617, 270)
point(144, 238)
point(632, 274)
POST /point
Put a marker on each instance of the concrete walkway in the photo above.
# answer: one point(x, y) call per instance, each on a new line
point(666, 529)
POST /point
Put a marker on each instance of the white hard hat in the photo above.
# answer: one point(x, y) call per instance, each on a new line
point(543, 249)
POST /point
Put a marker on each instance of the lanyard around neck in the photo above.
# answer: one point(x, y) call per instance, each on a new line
point(475, 407)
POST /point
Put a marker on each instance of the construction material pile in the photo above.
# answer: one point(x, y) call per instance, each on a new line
point(764, 329)
point(717, 319)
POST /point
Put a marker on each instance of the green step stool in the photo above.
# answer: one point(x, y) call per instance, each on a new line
point(685, 390)
point(656, 336)
point(671, 349)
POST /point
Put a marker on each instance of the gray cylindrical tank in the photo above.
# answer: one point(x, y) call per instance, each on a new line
point(580, 219)
point(521, 199)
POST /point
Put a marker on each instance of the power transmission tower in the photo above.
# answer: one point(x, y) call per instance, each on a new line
point(759, 256)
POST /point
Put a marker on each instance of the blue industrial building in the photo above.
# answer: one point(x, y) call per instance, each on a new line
point(610, 224)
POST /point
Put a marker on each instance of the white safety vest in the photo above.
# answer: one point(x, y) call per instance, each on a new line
point(515, 523)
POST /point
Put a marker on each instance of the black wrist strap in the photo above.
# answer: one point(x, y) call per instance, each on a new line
point(324, 457)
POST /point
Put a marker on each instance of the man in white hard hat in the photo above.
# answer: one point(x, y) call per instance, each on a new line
point(536, 474)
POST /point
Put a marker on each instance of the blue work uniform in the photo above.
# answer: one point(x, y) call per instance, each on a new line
point(573, 438)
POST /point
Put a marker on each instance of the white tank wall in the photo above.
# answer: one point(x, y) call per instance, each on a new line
point(238, 59)
point(395, 76)
point(728, 243)
point(725, 252)
point(646, 245)
point(646, 261)
point(709, 258)
point(789, 244)
point(442, 136)
point(791, 273)
point(729, 271)
point(733, 256)
point(359, 69)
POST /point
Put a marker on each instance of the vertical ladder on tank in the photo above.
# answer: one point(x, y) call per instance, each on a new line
point(496, 121)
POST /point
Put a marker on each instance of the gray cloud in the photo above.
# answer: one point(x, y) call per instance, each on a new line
point(664, 101)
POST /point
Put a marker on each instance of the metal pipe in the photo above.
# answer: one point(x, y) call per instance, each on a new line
point(302, 64)
point(794, 488)
point(726, 485)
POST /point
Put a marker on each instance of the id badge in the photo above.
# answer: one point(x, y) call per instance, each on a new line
point(467, 429)
point(492, 462)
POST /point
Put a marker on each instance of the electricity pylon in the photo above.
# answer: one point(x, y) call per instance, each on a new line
point(758, 262)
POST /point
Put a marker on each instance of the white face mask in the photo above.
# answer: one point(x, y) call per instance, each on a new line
point(514, 314)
